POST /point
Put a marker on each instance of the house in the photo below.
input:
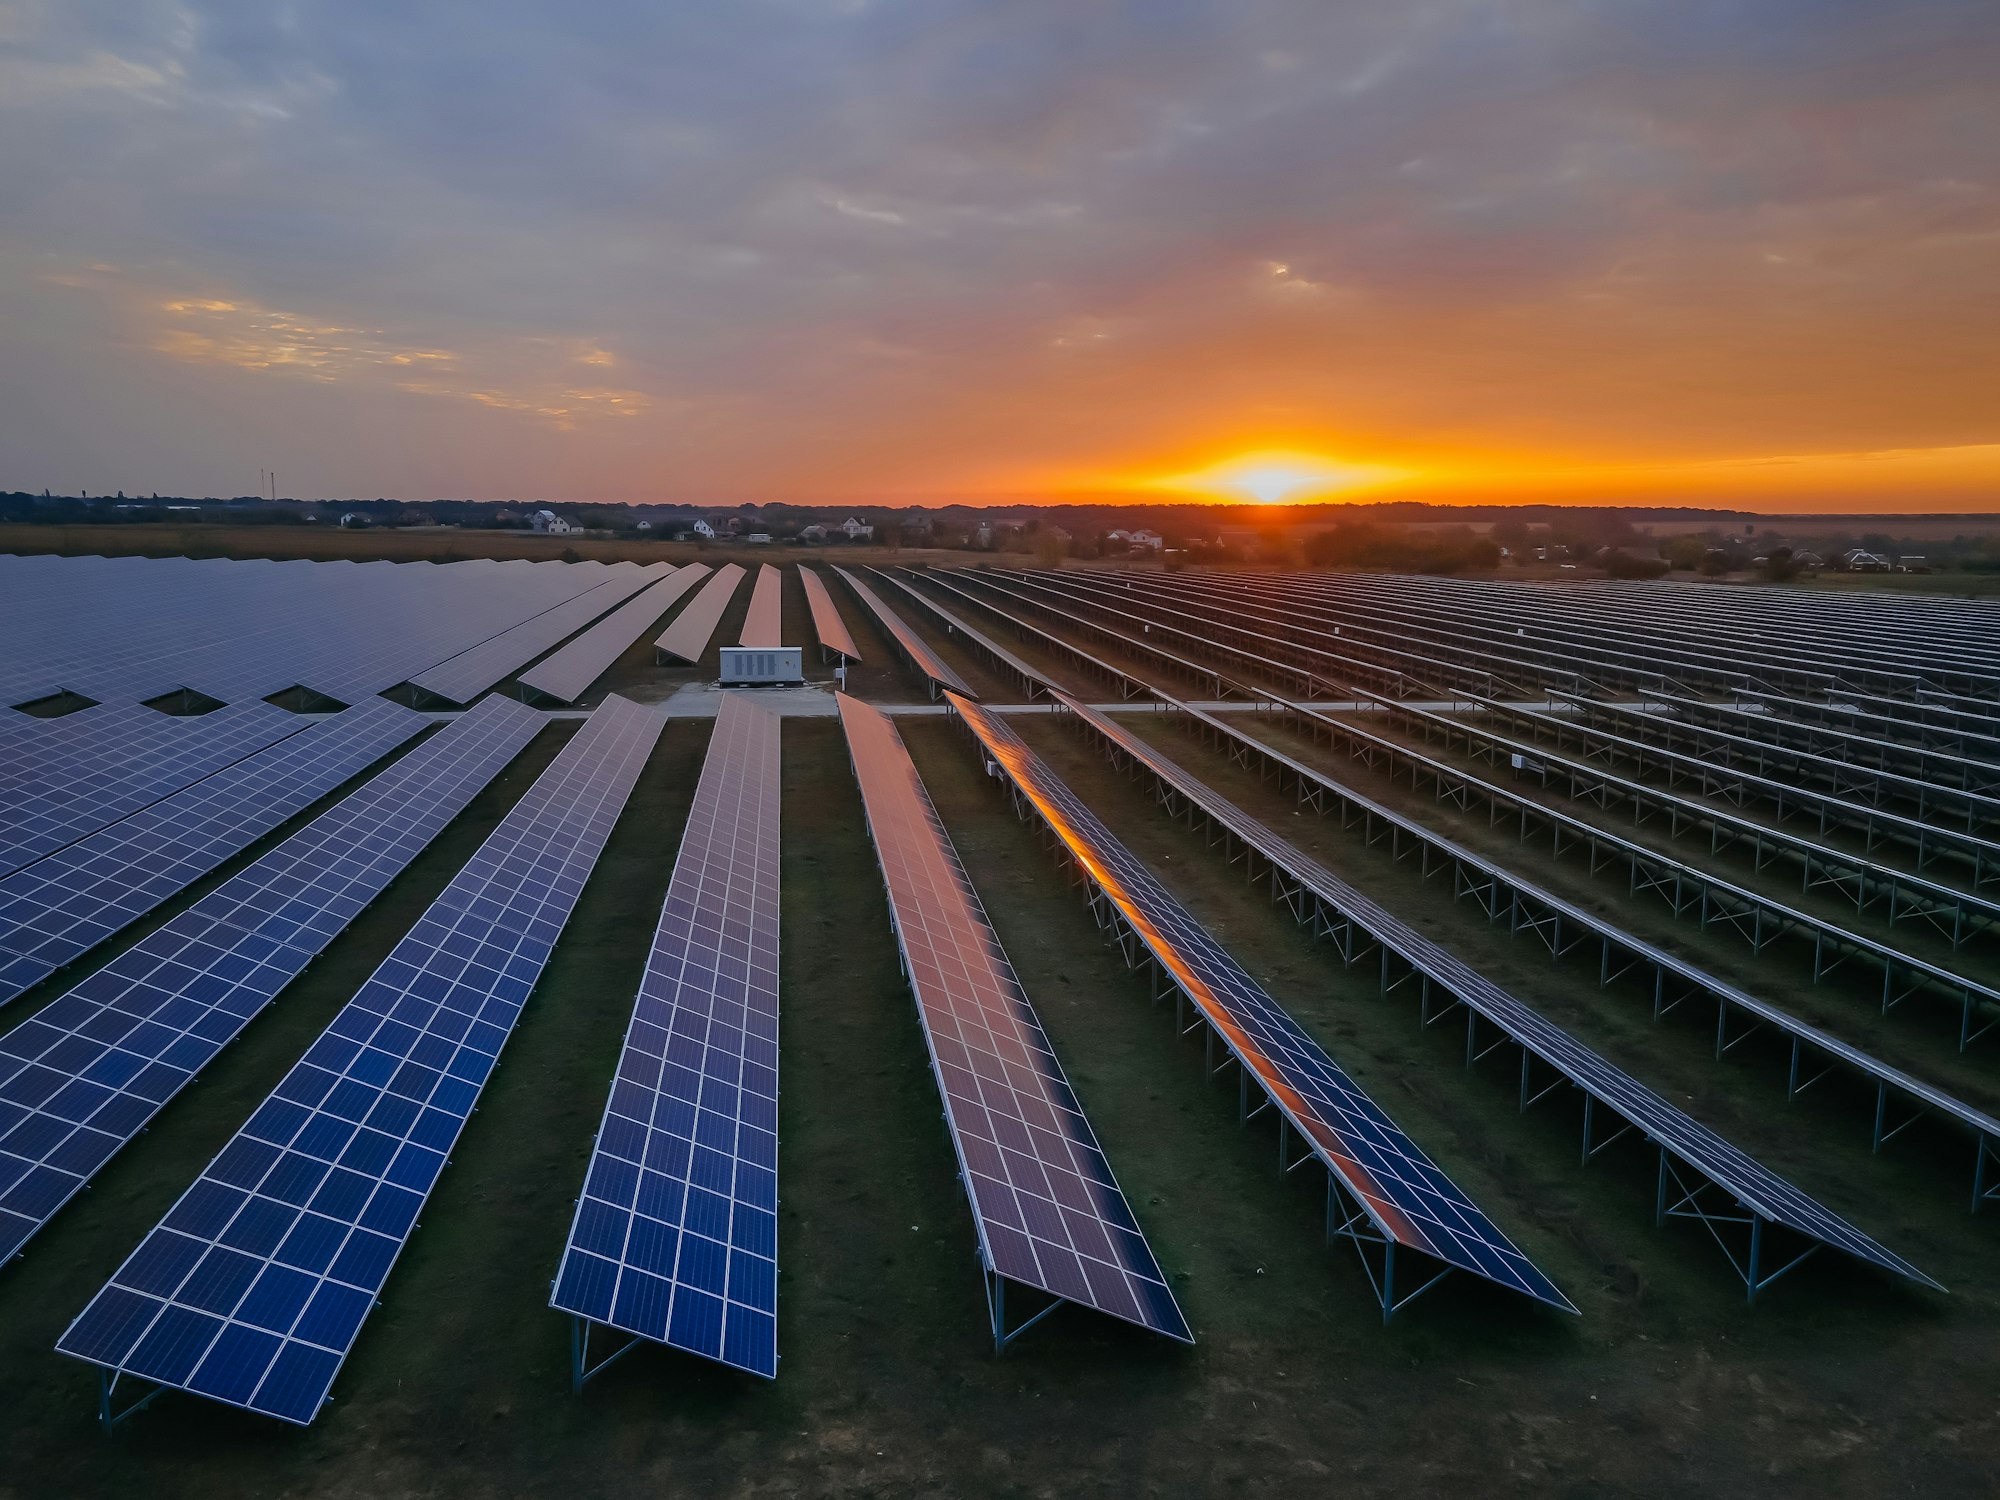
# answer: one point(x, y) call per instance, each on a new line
point(758, 539)
point(352, 520)
point(550, 524)
point(1152, 541)
point(814, 533)
point(703, 530)
point(1860, 560)
point(857, 531)
point(1118, 538)
point(645, 526)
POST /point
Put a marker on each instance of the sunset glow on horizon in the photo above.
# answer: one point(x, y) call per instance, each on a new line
point(1255, 253)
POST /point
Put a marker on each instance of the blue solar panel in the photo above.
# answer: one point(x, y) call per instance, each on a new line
point(1748, 1181)
point(1403, 1193)
point(675, 1238)
point(134, 627)
point(567, 673)
point(473, 671)
point(1049, 1213)
point(84, 1075)
point(60, 907)
point(254, 1287)
point(75, 786)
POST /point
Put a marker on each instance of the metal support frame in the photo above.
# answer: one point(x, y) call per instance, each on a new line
point(108, 1415)
point(996, 1310)
point(581, 1369)
point(1688, 1205)
point(1354, 1225)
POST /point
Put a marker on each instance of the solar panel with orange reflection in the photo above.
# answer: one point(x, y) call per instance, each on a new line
point(1397, 1189)
point(1048, 1211)
point(827, 624)
point(765, 624)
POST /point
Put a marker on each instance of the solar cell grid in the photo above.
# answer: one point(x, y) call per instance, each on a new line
point(61, 906)
point(81, 787)
point(675, 1234)
point(476, 669)
point(827, 624)
point(567, 674)
point(1048, 1210)
point(1404, 1193)
point(84, 1075)
point(687, 637)
point(764, 625)
point(1030, 677)
point(912, 645)
point(245, 629)
point(254, 1287)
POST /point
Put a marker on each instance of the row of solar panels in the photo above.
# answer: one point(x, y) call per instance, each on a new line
point(1901, 896)
point(1692, 893)
point(1963, 861)
point(1547, 915)
point(1389, 1186)
point(1933, 826)
point(1638, 636)
point(342, 632)
point(66, 779)
point(134, 628)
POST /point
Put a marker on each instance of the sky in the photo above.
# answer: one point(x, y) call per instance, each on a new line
point(988, 251)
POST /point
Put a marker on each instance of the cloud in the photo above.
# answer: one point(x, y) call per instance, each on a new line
point(962, 244)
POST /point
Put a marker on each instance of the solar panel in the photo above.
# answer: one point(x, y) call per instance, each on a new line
point(83, 1076)
point(765, 623)
point(473, 671)
point(675, 1238)
point(235, 630)
point(1048, 1211)
point(1748, 1181)
point(1527, 907)
point(569, 672)
point(63, 905)
point(1030, 677)
point(688, 636)
point(254, 1287)
point(827, 624)
point(915, 649)
point(1402, 1192)
point(87, 785)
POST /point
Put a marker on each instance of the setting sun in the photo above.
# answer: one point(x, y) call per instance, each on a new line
point(1270, 478)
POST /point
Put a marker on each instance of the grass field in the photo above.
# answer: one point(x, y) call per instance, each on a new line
point(1837, 1383)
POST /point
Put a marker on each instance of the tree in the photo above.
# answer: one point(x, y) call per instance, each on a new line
point(1051, 547)
point(1781, 566)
